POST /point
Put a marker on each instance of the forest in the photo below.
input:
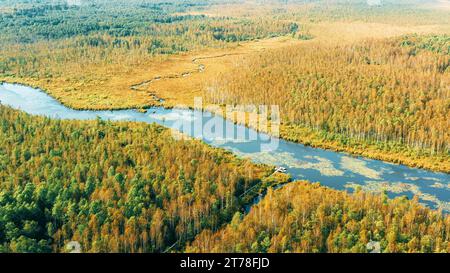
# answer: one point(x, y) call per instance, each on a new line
point(90, 55)
point(390, 92)
point(122, 187)
point(113, 187)
point(370, 80)
point(60, 34)
point(304, 217)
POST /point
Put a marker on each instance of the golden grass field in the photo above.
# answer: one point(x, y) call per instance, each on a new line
point(117, 86)
point(120, 86)
point(176, 89)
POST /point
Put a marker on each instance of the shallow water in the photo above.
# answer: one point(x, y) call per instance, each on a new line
point(336, 170)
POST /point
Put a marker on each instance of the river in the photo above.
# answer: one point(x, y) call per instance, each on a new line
point(335, 170)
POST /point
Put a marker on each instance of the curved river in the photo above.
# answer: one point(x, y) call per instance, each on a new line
point(332, 169)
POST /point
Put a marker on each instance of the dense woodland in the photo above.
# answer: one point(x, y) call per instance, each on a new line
point(40, 38)
point(130, 187)
point(394, 90)
point(123, 187)
point(305, 217)
point(39, 41)
point(114, 187)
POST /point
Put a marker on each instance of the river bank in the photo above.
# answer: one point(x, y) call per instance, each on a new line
point(308, 137)
point(335, 170)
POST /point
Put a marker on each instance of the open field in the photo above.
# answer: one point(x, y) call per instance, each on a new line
point(177, 87)
point(186, 77)
point(177, 79)
point(109, 86)
point(345, 32)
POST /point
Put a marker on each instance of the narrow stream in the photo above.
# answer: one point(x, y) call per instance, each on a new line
point(332, 169)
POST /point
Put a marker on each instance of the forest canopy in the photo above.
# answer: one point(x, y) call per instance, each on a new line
point(131, 187)
point(305, 217)
point(113, 187)
point(391, 90)
point(38, 41)
point(122, 187)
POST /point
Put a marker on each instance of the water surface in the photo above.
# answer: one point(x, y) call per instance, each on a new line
point(332, 169)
